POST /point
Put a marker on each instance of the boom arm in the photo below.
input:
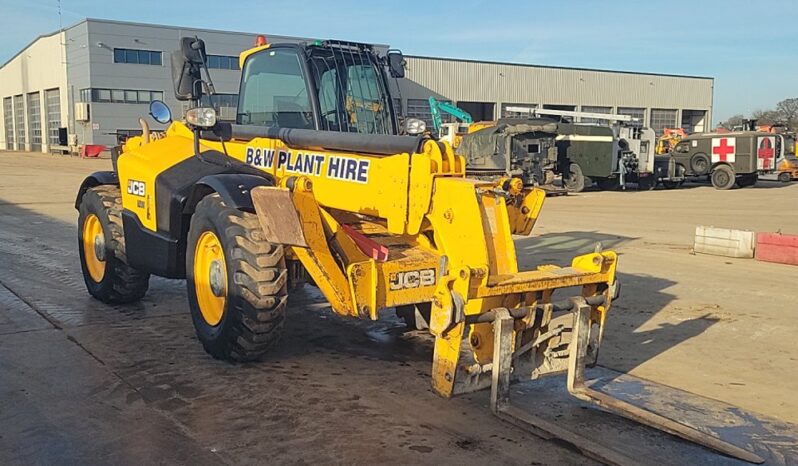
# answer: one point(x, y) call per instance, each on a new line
point(437, 107)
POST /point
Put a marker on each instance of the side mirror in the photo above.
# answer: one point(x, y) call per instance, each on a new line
point(160, 112)
point(396, 64)
point(186, 66)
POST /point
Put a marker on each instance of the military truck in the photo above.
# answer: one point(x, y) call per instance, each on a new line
point(727, 159)
point(520, 148)
point(610, 154)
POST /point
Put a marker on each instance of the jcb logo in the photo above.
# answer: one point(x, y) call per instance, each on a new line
point(136, 188)
point(412, 279)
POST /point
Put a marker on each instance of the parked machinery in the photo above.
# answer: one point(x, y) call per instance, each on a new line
point(303, 185)
point(611, 155)
point(728, 159)
point(449, 132)
point(670, 137)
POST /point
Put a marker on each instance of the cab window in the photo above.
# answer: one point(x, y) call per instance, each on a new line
point(351, 93)
point(274, 91)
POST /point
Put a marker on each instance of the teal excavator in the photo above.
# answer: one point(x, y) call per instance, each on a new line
point(450, 132)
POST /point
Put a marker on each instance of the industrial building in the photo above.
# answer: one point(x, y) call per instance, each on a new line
point(89, 84)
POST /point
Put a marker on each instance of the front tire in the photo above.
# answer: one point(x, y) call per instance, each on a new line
point(237, 282)
point(785, 177)
point(575, 180)
point(723, 177)
point(101, 245)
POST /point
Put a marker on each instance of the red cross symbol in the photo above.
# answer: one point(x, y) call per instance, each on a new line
point(766, 153)
point(723, 150)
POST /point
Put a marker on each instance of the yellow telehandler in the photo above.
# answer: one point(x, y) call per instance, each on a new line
point(317, 181)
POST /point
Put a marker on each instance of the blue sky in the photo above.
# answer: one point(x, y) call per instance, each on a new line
point(751, 49)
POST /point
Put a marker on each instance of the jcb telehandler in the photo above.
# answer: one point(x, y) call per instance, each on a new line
point(314, 179)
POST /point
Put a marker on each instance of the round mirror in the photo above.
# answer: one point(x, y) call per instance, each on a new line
point(160, 112)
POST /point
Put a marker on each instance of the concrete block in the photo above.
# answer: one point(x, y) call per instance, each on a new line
point(775, 247)
point(724, 242)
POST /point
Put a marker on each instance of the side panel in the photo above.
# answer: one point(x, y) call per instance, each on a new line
point(154, 252)
point(373, 185)
point(589, 146)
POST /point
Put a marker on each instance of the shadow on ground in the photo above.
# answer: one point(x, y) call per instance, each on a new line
point(642, 297)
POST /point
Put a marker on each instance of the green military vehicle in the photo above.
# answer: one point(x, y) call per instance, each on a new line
point(609, 154)
point(522, 148)
point(727, 159)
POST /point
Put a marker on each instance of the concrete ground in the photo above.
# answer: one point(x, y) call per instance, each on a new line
point(82, 382)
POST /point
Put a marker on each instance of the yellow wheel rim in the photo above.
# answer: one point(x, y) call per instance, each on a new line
point(210, 277)
point(94, 247)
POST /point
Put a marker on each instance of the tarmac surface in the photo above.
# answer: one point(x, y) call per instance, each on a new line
point(86, 383)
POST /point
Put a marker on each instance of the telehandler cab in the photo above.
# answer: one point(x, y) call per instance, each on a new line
point(314, 179)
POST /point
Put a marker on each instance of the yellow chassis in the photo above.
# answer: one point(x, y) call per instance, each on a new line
point(409, 228)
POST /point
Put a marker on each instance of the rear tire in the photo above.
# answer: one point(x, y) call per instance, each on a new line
point(608, 184)
point(723, 177)
point(237, 282)
point(575, 180)
point(646, 183)
point(101, 245)
point(745, 181)
point(699, 163)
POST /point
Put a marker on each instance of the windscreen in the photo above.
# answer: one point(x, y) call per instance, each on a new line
point(274, 91)
point(351, 91)
point(789, 144)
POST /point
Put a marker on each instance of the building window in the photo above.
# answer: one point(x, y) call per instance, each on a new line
point(8, 121)
point(595, 109)
point(661, 119)
point(223, 62)
point(19, 120)
point(52, 99)
point(639, 115)
point(137, 57)
point(35, 121)
point(693, 121)
point(119, 96)
point(505, 113)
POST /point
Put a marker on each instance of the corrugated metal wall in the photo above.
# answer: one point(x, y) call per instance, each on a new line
point(461, 80)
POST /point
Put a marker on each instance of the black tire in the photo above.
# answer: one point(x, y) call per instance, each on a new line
point(575, 180)
point(745, 181)
point(670, 184)
point(785, 177)
point(415, 316)
point(699, 164)
point(723, 177)
point(646, 183)
point(120, 283)
point(608, 184)
point(256, 287)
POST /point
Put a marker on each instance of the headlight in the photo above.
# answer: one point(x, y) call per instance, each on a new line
point(203, 117)
point(415, 126)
